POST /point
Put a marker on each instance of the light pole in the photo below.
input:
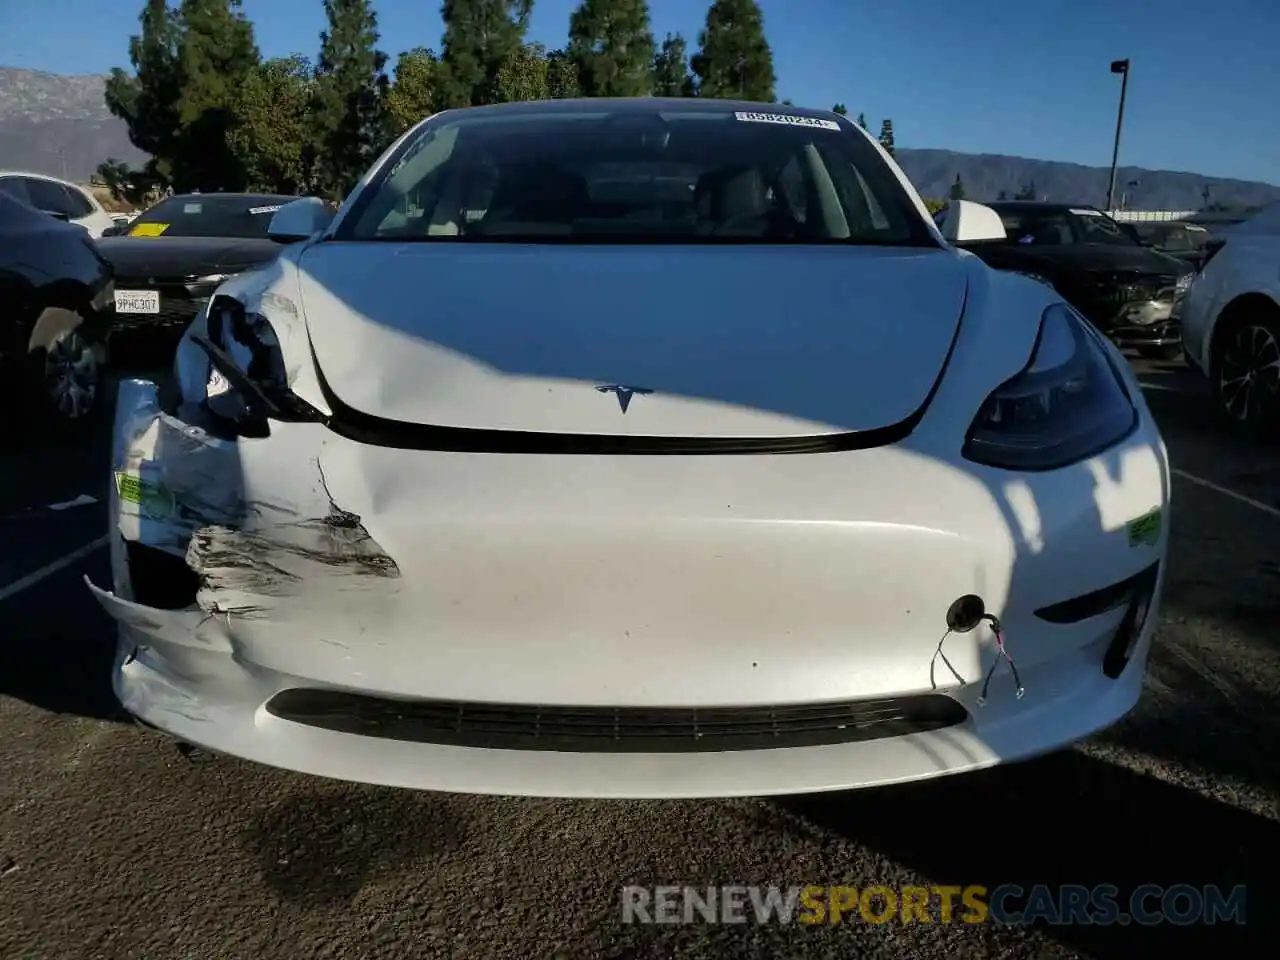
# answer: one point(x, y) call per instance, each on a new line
point(1121, 67)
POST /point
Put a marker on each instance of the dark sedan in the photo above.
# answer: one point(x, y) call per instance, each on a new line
point(55, 297)
point(1125, 289)
point(170, 259)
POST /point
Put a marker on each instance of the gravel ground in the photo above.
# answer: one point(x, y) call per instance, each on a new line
point(113, 845)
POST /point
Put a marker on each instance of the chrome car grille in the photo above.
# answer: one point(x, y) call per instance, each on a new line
point(615, 729)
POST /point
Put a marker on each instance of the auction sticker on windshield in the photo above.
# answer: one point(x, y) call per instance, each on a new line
point(257, 210)
point(148, 229)
point(786, 119)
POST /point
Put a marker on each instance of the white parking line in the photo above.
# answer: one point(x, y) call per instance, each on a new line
point(48, 570)
point(1166, 387)
point(1226, 492)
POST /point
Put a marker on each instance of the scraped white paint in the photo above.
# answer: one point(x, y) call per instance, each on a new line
point(31, 579)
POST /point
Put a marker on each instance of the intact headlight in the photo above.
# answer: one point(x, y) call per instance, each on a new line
point(1067, 404)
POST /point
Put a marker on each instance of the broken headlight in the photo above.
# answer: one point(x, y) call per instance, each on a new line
point(1067, 404)
point(248, 385)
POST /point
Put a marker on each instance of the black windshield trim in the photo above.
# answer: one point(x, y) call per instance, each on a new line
point(375, 431)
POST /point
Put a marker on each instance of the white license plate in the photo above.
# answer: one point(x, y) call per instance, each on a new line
point(137, 301)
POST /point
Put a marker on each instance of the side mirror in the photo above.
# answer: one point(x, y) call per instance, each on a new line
point(58, 215)
point(969, 222)
point(114, 230)
point(299, 220)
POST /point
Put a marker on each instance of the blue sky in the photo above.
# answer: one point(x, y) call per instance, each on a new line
point(988, 76)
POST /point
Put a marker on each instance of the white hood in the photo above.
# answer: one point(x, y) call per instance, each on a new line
point(694, 341)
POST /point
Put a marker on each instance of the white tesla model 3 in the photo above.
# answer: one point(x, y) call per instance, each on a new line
point(635, 448)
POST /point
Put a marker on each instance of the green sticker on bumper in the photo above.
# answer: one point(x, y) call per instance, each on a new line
point(151, 497)
point(1145, 530)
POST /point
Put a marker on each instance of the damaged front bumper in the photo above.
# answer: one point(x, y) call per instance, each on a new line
point(240, 571)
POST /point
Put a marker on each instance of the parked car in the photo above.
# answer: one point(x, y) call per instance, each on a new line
point(1231, 323)
point(581, 485)
point(55, 297)
point(58, 198)
point(1125, 289)
point(169, 259)
point(1188, 242)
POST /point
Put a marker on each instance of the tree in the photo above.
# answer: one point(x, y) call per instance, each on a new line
point(957, 189)
point(562, 76)
point(886, 136)
point(216, 55)
point(272, 132)
point(862, 121)
point(412, 97)
point(1028, 191)
point(734, 60)
point(671, 76)
point(350, 87)
point(1003, 195)
point(479, 37)
point(523, 76)
point(147, 100)
point(611, 44)
point(841, 109)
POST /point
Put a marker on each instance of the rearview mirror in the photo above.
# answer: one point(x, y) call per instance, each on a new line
point(299, 220)
point(969, 222)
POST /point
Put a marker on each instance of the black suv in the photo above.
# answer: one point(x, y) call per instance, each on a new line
point(1124, 287)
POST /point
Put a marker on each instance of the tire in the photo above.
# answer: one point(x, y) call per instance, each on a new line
point(64, 378)
point(1246, 374)
point(1168, 351)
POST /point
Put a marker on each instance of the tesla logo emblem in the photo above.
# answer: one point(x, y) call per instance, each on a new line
point(623, 393)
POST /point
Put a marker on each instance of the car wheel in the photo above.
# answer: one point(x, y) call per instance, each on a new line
point(1247, 375)
point(64, 380)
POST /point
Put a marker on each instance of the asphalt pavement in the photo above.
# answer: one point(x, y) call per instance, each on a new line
point(115, 845)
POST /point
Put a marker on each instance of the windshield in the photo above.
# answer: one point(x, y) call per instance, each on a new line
point(705, 176)
point(208, 216)
point(1060, 228)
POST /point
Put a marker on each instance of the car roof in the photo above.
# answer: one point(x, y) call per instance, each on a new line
point(231, 196)
point(1039, 206)
point(641, 106)
point(39, 176)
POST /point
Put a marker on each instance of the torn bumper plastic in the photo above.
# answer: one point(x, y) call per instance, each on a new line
point(567, 581)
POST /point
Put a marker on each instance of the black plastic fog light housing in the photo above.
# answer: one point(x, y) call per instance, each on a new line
point(1130, 629)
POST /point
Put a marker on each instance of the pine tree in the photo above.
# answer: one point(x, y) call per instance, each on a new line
point(957, 189)
point(147, 100)
point(886, 136)
point(862, 121)
point(841, 109)
point(1028, 191)
point(479, 38)
point(217, 55)
point(350, 87)
point(734, 60)
point(671, 76)
point(611, 43)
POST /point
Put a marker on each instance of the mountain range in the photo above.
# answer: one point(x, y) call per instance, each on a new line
point(60, 125)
